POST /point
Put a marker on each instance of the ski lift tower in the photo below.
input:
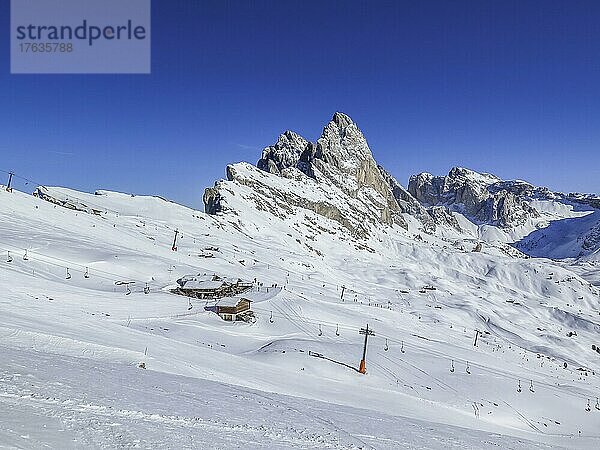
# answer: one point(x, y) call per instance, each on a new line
point(174, 247)
point(363, 362)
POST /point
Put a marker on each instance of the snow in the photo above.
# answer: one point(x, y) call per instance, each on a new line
point(70, 348)
point(65, 402)
point(557, 233)
point(195, 284)
point(562, 238)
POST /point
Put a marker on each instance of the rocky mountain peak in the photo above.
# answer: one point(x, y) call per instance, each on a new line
point(285, 153)
point(462, 174)
point(482, 197)
point(342, 120)
point(342, 144)
point(341, 156)
point(335, 177)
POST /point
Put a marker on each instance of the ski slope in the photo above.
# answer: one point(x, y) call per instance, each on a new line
point(70, 345)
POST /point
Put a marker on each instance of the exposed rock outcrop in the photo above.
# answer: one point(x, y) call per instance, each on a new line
point(408, 204)
point(285, 153)
point(212, 201)
point(482, 197)
point(341, 157)
point(335, 177)
point(58, 197)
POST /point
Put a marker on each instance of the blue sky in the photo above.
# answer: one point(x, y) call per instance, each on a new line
point(509, 87)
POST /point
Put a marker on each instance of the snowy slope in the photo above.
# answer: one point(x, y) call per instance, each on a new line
point(73, 401)
point(89, 329)
point(575, 236)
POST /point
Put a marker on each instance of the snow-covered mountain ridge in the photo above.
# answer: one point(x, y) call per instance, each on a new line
point(338, 178)
point(516, 211)
point(481, 197)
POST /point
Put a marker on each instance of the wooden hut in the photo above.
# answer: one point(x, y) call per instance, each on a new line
point(232, 309)
point(210, 287)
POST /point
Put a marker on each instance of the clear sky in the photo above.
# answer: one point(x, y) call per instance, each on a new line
point(508, 87)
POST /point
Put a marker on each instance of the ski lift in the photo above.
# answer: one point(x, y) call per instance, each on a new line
point(476, 409)
point(146, 289)
point(86, 275)
point(68, 276)
point(452, 366)
point(402, 347)
point(588, 408)
point(468, 369)
point(320, 331)
point(519, 386)
point(271, 318)
point(386, 348)
point(25, 257)
point(337, 330)
point(9, 259)
point(531, 386)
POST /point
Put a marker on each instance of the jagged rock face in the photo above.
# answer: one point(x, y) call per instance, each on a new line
point(341, 157)
point(343, 146)
point(505, 209)
point(336, 177)
point(212, 201)
point(284, 153)
point(461, 186)
point(409, 205)
point(482, 197)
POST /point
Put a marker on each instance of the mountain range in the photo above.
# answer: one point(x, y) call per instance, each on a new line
point(338, 178)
